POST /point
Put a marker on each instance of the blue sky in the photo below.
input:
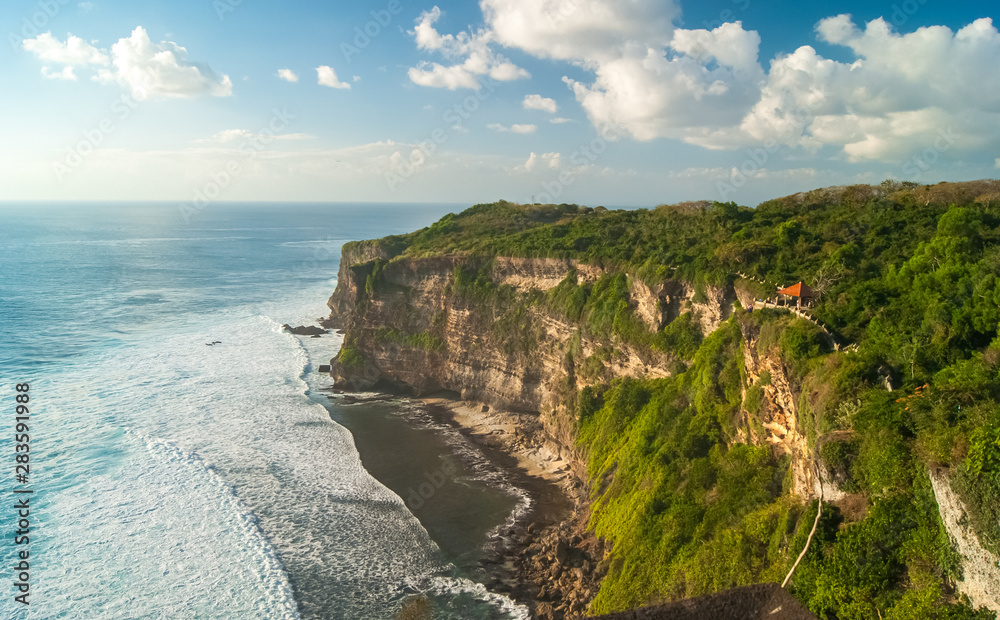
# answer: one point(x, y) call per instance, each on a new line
point(614, 102)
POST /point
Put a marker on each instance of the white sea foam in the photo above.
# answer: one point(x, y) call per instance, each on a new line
point(188, 481)
point(458, 585)
point(484, 469)
point(166, 451)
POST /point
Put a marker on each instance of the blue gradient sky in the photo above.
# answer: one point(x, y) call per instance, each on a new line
point(643, 101)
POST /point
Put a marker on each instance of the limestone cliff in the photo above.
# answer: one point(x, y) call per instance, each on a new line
point(775, 416)
point(413, 331)
point(980, 570)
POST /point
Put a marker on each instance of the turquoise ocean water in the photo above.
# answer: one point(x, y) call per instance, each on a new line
point(173, 479)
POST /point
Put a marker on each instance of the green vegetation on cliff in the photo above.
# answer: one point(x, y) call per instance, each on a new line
point(690, 497)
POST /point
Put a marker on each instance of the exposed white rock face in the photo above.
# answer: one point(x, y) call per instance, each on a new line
point(780, 418)
point(980, 568)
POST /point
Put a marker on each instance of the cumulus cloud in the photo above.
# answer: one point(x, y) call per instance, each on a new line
point(529, 165)
point(513, 128)
point(161, 69)
point(471, 53)
point(580, 30)
point(904, 92)
point(651, 79)
point(537, 102)
point(74, 52)
point(900, 94)
point(328, 77)
point(560, 120)
point(534, 161)
point(702, 79)
point(144, 68)
point(288, 75)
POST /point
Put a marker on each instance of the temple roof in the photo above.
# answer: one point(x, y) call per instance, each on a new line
point(799, 289)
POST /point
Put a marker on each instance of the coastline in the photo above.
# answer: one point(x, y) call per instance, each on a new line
point(547, 560)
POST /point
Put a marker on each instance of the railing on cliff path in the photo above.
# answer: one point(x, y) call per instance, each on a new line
point(797, 310)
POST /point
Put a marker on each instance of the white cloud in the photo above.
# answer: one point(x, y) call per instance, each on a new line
point(479, 58)
point(704, 78)
point(513, 128)
point(529, 165)
point(901, 94)
point(537, 102)
point(560, 120)
point(74, 52)
point(161, 69)
point(998, 162)
point(904, 93)
point(580, 30)
point(733, 174)
point(288, 75)
point(145, 68)
point(86, 6)
point(550, 160)
point(328, 77)
point(228, 136)
point(66, 73)
point(651, 80)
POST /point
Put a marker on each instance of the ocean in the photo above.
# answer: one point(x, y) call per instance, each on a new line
point(185, 461)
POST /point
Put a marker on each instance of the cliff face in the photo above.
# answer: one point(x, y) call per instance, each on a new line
point(980, 569)
point(413, 331)
point(776, 420)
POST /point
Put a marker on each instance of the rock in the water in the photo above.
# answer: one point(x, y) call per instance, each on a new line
point(304, 330)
